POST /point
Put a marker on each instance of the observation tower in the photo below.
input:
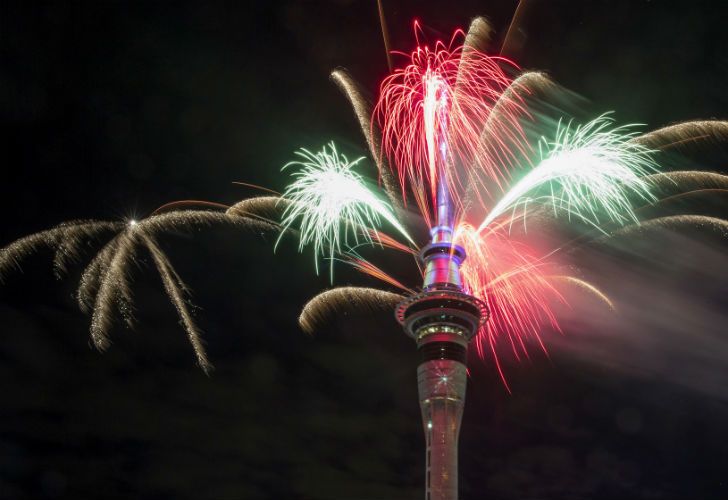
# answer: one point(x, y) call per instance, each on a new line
point(442, 319)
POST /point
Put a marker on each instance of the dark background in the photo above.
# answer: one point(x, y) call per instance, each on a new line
point(111, 109)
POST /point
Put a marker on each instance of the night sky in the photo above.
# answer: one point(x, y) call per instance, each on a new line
point(109, 110)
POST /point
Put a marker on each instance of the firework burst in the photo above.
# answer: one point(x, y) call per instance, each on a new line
point(590, 172)
point(331, 203)
point(452, 118)
point(447, 129)
point(105, 286)
point(432, 112)
point(513, 280)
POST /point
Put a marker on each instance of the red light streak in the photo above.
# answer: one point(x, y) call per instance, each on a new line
point(432, 114)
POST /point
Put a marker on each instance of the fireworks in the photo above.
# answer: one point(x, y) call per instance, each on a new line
point(453, 107)
point(333, 203)
point(684, 134)
point(457, 131)
point(446, 130)
point(700, 222)
point(589, 172)
point(105, 286)
point(372, 134)
point(319, 309)
point(450, 122)
point(65, 238)
point(432, 112)
point(513, 281)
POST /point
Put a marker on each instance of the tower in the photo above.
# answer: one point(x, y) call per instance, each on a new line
point(442, 319)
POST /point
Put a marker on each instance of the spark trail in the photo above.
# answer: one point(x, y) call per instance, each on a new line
point(105, 286)
point(331, 204)
point(589, 172)
point(431, 113)
point(448, 124)
point(451, 116)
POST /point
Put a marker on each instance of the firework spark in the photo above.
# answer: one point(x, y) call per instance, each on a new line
point(684, 134)
point(367, 267)
point(514, 281)
point(700, 222)
point(431, 114)
point(589, 170)
point(323, 306)
point(65, 239)
point(478, 37)
point(114, 288)
point(105, 285)
point(177, 291)
point(686, 180)
point(372, 133)
point(509, 106)
point(332, 204)
point(585, 286)
point(267, 209)
point(450, 121)
point(111, 273)
point(452, 117)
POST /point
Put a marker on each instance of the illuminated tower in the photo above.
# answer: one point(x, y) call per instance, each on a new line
point(442, 319)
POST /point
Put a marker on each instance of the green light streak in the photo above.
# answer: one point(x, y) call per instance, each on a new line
point(331, 205)
point(591, 172)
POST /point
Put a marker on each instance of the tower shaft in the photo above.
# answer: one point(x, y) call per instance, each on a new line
point(442, 320)
point(441, 384)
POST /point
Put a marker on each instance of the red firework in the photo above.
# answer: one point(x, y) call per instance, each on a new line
point(514, 281)
point(435, 113)
point(448, 119)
